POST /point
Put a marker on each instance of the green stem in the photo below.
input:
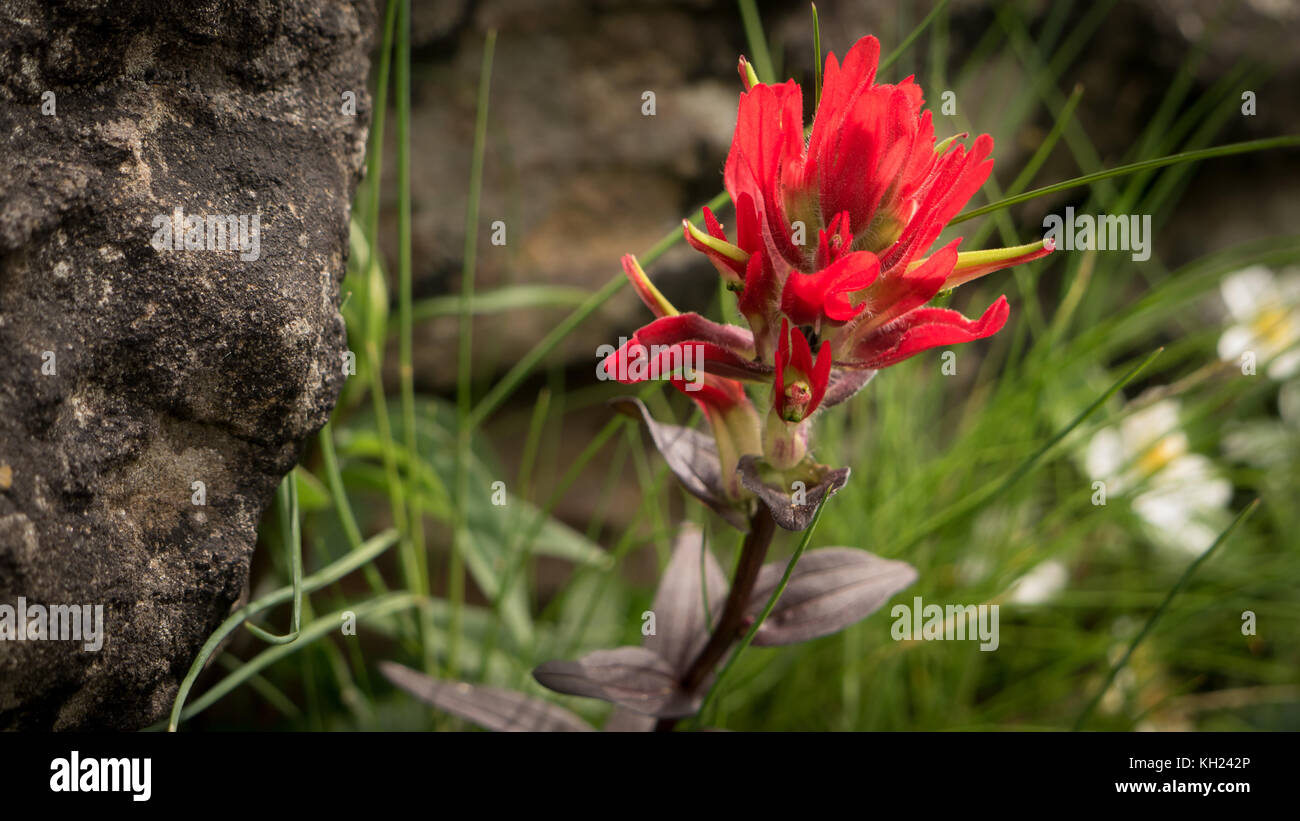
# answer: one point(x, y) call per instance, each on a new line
point(373, 608)
point(414, 559)
point(460, 535)
point(817, 58)
point(757, 42)
point(342, 506)
point(911, 37)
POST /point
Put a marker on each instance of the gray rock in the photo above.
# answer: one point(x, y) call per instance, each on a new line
point(129, 372)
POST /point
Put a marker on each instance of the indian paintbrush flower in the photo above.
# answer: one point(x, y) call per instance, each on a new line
point(873, 190)
point(831, 251)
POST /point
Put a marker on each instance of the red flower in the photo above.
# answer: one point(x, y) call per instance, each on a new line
point(871, 167)
point(831, 243)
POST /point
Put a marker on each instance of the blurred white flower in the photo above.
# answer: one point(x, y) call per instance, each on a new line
point(1040, 584)
point(1265, 309)
point(1178, 493)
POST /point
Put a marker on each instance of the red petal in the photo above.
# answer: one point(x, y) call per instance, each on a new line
point(748, 229)
point(760, 300)
point(693, 327)
point(900, 291)
point(800, 354)
point(808, 298)
point(722, 350)
point(840, 85)
point(869, 152)
point(794, 353)
point(953, 181)
point(714, 393)
point(766, 149)
point(711, 223)
point(820, 376)
point(923, 329)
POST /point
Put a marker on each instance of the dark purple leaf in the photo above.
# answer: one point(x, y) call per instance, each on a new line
point(792, 508)
point(830, 589)
point(680, 626)
point(489, 707)
point(691, 456)
point(631, 677)
point(844, 384)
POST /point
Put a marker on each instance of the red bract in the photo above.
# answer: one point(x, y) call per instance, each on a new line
point(730, 260)
point(831, 248)
point(693, 354)
point(874, 190)
point(674, 346)
point(807, 298)
point(800, 383)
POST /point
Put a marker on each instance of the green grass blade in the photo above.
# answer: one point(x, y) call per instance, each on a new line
point(291, 537)
point(1159, 162)
point(911, 37)
point(817, 57)
point(461, 533)
point(414, 559)
point(757, 42)
point(374, 608)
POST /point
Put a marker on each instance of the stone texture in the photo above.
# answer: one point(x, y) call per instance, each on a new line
point(170, 367)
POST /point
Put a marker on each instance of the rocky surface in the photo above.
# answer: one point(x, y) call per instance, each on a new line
point(131, 373)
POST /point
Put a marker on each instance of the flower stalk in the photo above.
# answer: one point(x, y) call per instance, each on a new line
point(731, 623)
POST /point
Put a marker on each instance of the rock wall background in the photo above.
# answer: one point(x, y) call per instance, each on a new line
point(168, 367)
